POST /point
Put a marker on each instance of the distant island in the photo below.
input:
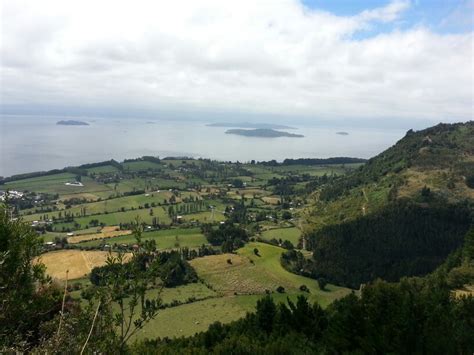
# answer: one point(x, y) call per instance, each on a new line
point(262, 132)
point(72, 123)
point(250, 125)
point(342, 133)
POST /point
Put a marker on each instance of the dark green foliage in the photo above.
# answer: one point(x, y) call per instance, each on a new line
point(304, 288)
point(229, 235)
point(286, 215)
point(470, 181)
point(287, 245)
point(26, 299)
point(401, 240)
point(313, 161)
point(170, 267)
point(175, 271)
point(294, 261)
point(237, 183)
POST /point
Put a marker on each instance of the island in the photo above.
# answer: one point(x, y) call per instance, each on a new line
point(262, 133)
point(342, 133)
point(72, 123)
point(250, 125)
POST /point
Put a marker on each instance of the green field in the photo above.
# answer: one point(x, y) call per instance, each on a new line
point(110, 205)
point(292, 234)
point(165, 239)
point(252, 274)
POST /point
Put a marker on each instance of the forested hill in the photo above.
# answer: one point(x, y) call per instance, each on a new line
point(400, 214)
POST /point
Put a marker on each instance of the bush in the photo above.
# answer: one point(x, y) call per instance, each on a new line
point(304, 288)
point(322, 283)
point(287, 245)
point(280, 289)
point(286, 215)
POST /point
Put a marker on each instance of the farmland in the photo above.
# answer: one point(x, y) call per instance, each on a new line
point(82, 214)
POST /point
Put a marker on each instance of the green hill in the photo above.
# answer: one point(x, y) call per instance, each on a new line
point(400, 214)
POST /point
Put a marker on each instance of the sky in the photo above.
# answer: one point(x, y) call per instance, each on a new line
point(311, 60)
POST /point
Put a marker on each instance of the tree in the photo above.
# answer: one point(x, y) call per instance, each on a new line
point(25, 297)
point(286, 215)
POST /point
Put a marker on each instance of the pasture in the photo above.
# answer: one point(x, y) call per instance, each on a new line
point(251, 274)
point(291, 234)
point(106, 232)
point(165, 239)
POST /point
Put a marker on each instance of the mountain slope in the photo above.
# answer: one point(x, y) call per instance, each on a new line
point(440, 158)
point(400, 214)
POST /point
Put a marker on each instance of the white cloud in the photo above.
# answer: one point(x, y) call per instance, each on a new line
point(248, 56)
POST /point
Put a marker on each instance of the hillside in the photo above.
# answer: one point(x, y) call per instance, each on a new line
point(440, 158)
point(399, 214)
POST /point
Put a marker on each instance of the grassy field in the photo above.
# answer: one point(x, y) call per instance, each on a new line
point(252, 274)
point(112, 219)
point(165, 239)
point(106, 232)
point(55, 184)
point(111, 205)
point(291, 234)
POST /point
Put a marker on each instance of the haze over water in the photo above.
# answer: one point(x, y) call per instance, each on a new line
point(36, 143)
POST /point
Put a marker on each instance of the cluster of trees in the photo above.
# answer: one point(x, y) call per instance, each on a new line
point(170, 267)
point(314, 161)
point(403, 239)
point(228, 235)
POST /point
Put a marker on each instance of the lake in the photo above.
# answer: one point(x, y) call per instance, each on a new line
point(34, 143)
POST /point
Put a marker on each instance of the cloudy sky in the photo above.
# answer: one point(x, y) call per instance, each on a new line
point(313, 59)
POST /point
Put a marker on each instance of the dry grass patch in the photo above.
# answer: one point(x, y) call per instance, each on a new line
point(466, 291)
point(272, 200)
point(78, 262)
point(436, 180)
point(106, 232)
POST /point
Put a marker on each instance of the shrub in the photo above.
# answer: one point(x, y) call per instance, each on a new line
point(304, 288)
point(322, 283)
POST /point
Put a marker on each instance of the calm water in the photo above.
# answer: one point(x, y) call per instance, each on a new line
point(36, 143)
